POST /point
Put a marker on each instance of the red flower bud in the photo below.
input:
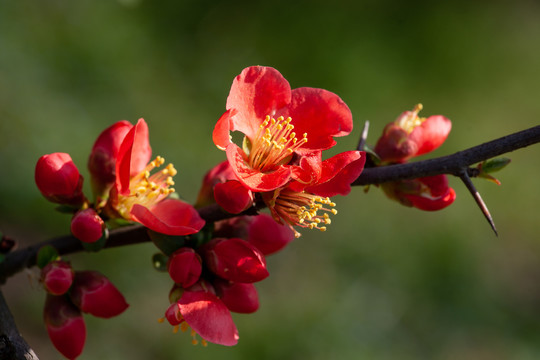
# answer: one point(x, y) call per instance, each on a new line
point(87, 226)
point(57, 277)
point(65, 325)
point(267, 235)
point(185, 267)
point(238, 297)
point(58, 179)
point(235, 259)
point(102, 161)
point(93, 293)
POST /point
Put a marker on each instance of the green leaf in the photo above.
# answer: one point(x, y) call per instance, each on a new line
point(2, 258)
point(159, 261)
point(166, 243)
point(66, 209)
point(46, 254)
point(493, 165)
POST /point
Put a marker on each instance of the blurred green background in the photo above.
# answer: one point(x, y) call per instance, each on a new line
point(385, 282)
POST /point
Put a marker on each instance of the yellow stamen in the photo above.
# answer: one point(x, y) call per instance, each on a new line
point(147, 189)
point(274, 143)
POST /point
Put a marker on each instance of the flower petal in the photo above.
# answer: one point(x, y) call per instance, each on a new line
point(431, 134)
point(319, 113)
point(133, 155)
point(233, 196)
point(258, 91)
point(254, 179)
point(221, 134)
point(170, 217)
point(338, 173)
point(209, 317)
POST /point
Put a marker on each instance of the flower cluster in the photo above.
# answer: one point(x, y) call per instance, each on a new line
point(285, 132)
point(125, 183)
point(71, 293)
point(218, 277)
point(407, 137)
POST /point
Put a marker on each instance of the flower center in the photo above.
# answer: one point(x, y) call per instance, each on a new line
point(410, 121)
point(302, 209)
point(178, 323)
point(147, 189)
point(274, 144)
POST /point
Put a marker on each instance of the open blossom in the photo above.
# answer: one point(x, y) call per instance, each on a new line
point(409, 136)
point(281, 126)
point(140, 195)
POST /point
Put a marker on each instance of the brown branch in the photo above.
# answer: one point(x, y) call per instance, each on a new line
point(451, 164)
point(12, 344)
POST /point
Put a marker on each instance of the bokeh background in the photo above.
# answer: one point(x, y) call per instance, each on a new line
point(385, 282)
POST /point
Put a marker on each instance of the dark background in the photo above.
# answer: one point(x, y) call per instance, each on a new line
point(384, 282)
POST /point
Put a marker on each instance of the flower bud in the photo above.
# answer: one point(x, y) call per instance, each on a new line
point(65, 325)
point(57, 277)
point(238, 297)
point(218, 174)
point(185, 267)
point(87, 226)
point(58, 179)
point(235, 259)
point(93, 293)
point(102, 160)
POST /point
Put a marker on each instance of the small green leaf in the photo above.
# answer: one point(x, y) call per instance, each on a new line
point(159, 261)
point(493, 165)
point(45, 255)
point(2, 258)
point(166, 243)
point(118, 222)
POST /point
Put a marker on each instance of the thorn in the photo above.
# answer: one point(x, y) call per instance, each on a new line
point(464, 176)
point(363, 138)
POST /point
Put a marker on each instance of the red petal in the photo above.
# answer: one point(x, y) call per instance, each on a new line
point(233, 196)
point(209, 317)
point(319, 113)
point(267, 235)
point(253, 179)
point(238, 297)
point(432, 204)
point(170, 217)
point(221, 133)
point(338, 173)
point(258, 91)
point(431, 134)
point(133, 155)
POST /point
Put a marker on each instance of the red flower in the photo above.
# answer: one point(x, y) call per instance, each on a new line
point(87, 226)
point(267, 235)
point(428, 193)
point(93, 293)
point(65, 326)
point(410, 135)
point(235, 259)
point(263, 107)
point(58, 179)
point(57, 277)
point(140, 196)
point(207, 316)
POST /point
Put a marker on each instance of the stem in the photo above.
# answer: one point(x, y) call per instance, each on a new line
point(453, 164)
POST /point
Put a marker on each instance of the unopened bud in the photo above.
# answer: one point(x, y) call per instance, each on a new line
point(57, 277)
point(87, 226)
